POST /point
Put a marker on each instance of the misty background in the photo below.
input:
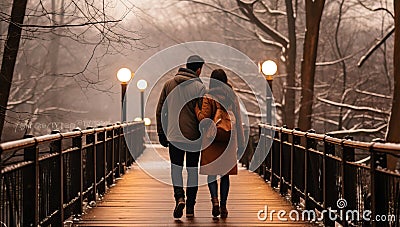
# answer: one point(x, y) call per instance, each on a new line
point(65, 76)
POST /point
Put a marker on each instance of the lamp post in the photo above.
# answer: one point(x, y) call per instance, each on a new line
point(142, 85)
point(124, 75)
point(269, 68)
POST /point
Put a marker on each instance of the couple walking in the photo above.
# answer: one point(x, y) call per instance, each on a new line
point(184, 102)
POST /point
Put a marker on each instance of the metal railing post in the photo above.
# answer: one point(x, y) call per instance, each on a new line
point(249, 155)
point(381, 184)
point(329, 181)
point(127, 141)
point(284, 163)
point(91, 139)
point(130, 155)
point(55, 147)
point(349, 174)
point(311, 177)
point(110, 154)
point(77, 163)
point(117, 143)
point(373, 186)
point(275, 159)
point(101, 161)
point(122, 150)
point(296, 172)
point(30, 189)
point(264, 168)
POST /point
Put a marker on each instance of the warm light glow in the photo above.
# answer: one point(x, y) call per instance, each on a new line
point(147, 121)
point(124, 75)
point(142, 85)
point(137, 119)
point(269, 68)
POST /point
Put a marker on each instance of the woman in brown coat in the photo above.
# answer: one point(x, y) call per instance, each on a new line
point(220, 157)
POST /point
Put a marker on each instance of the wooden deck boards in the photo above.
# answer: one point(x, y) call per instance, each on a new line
point(139, 200)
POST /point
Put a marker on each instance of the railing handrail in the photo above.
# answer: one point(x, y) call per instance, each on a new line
point(23, 143)
point(46, 179)
point(320, 171)
point(387, 148)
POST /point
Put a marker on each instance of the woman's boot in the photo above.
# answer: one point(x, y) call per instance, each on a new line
point(215, 207)
point(224, 211)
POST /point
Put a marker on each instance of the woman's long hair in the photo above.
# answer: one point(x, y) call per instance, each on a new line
point(222, 92)
point(218, 75)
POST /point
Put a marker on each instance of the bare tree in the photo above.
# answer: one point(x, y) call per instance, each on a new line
point(10, 55)
point(290, 97)
point(288, 45)
point(393, 133)
point(81, 24)
point(314, 11)
point(342, 63)
point(393, 128)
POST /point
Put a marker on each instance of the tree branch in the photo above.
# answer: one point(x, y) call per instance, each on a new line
point(376, 9)
point(268, 42)
point(357, 108)
point(334, 62)
point(218, 8)
point(270, 11)
point(373, 94)
point(60, 109)
point(69, 25)
point(377, 44)
point(248, 10)
point(359, 131)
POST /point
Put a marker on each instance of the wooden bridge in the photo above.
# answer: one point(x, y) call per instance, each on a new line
point(52, 180)
point(140, 200)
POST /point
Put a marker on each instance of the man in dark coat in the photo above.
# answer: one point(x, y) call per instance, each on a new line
point(178, 128)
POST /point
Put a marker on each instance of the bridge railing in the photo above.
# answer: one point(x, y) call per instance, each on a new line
point(47, 179)
point(319, 172)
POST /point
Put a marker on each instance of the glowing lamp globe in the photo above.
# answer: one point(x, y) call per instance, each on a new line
point(124, 75)
point(141, 85)
point(269, 68)
point(147, 121)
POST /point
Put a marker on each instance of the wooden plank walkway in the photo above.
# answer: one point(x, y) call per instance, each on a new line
point(140, 200)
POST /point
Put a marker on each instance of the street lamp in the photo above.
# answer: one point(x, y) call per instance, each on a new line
point(142, 85)
point(124, 75)
point(269, 68)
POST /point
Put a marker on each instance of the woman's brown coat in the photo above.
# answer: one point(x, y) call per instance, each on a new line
point(220, 158)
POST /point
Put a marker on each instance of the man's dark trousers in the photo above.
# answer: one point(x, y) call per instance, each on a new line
point(176, 156)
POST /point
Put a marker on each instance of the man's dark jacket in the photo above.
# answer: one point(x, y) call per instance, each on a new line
point(186, 85)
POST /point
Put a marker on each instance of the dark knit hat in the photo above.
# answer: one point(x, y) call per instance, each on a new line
point(195, 58)
point(194, 62)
